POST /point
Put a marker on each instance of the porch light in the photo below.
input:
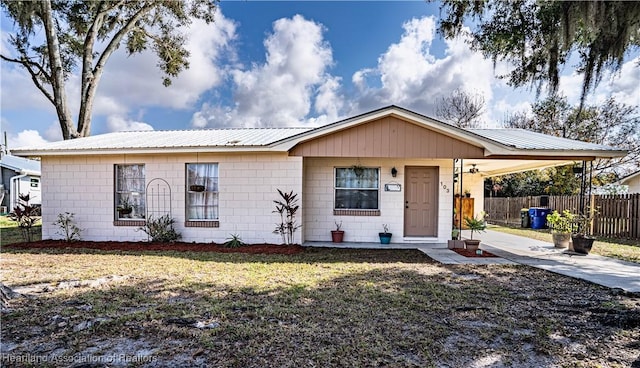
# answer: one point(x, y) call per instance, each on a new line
point(474, 169)
point(394, 172)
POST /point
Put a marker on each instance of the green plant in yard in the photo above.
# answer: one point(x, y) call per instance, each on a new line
point(476, 224)
point(234, 241)
point(67, 227)
point(26, 216)
point(287, 208)
point(561, 223)
point(160, 229)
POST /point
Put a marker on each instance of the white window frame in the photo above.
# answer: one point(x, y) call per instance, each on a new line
point(136, 197)
point(336, 188)
point(212, 187)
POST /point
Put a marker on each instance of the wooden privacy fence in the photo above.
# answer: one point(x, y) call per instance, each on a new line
point(616, 216)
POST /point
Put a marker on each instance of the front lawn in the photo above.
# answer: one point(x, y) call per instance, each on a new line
point(321, 307)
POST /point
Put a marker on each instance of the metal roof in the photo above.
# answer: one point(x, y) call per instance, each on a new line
point(20, 165)
point(496, 142)
point(159, 139)
point(528, 140)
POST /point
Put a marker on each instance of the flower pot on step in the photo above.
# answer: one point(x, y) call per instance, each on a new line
point(385, 238)
point(337, 236)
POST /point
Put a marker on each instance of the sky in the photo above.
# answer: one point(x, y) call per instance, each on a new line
point(277, 64)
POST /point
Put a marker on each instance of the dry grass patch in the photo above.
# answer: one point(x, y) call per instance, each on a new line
point(323, 307)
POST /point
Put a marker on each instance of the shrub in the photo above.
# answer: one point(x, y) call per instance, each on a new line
point(234, 241)
point(160, 229)
point(287, 208)
point(67, 227)
point(25, 215)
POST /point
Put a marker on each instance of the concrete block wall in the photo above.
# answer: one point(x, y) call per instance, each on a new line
point(84, 185)
point(319, 200)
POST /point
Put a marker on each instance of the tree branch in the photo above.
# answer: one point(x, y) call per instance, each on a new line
point(86, 102)
point(27, 64)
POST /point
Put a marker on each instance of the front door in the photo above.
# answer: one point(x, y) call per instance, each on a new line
point(421, 201)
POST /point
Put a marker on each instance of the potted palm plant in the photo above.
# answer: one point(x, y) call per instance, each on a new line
point(475, 224)
point(560, 225)
point(337, 235)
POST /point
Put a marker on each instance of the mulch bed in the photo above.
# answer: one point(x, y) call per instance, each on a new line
point(473, 254)
point(150, 246)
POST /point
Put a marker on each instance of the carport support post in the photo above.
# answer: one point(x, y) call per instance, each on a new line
point(583, 186)
point(460, 201)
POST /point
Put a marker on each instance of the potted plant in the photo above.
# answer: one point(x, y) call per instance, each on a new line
point(467, 193)
point(337, 235)
point(580, 238)
point(455, 242)
point(560, 227)
point(475, 224)
point(125, 207)
point(196, 188)
point(385, 236)
point(454, 233)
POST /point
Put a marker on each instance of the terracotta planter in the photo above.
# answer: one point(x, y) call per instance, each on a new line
point(582, 244)
point(561, 240)
point(472, 244)
point(337, 236)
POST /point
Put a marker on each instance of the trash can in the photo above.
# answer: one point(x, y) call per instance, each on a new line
point(525, 221)
point(539, 217)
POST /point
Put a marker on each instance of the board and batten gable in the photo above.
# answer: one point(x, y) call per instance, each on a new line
point(388, 137)
point(248, 183)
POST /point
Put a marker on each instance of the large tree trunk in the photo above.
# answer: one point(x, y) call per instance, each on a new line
point(57, 73)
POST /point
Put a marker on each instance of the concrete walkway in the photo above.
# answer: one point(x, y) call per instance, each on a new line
point(600, 270)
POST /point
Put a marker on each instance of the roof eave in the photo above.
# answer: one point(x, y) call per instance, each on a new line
point(560, 154)
point(155, 150)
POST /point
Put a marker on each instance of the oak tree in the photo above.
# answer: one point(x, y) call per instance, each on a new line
point(539, 37)
point(55, 38)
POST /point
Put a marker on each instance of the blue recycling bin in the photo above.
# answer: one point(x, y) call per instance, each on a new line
point(539, 217)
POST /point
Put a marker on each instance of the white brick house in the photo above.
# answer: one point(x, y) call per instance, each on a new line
point(389, 166)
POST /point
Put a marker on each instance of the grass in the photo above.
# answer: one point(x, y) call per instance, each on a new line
point(322, 307)
point(10, 233)
point(627, 250)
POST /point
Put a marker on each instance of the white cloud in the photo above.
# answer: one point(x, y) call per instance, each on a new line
point(118, 124)
point(410, 76)
point(291, 84)
point(18, 90)
point(134, 81)
point(25, 138)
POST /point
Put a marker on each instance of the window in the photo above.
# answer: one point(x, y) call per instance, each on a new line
point(130, 195)
point(202, 192)
point(357, 188)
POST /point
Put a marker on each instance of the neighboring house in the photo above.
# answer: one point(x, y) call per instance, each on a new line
point(18, 176)
point(633, 181)
point(389, 166)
